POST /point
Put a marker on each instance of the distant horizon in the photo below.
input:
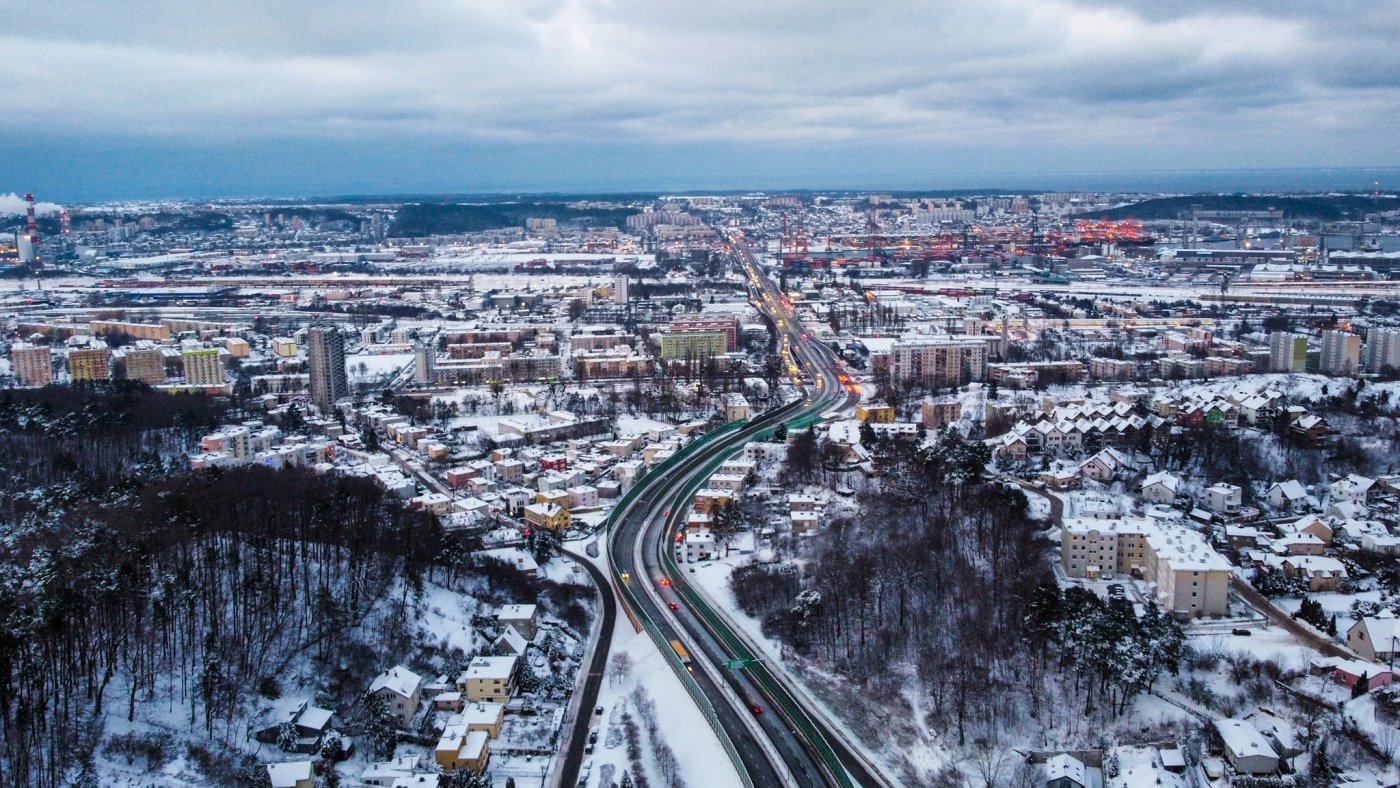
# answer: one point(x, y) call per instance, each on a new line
point(1273, 180)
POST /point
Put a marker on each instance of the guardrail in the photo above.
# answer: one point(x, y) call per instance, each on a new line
point(619, 513)
point(776, 692)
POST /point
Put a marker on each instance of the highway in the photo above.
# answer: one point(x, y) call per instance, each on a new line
point(577, 737)
point(769, 731)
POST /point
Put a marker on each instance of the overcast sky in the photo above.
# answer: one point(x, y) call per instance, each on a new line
point(175, 98)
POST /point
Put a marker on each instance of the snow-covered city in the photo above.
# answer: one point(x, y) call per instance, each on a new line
point(616, 394)
point(656, 494)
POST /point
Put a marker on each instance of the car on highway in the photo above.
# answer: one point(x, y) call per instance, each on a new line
point(675, 606)
point(755, 708)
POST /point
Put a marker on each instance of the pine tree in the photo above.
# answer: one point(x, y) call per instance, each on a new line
point(258, 777)
point(1320, 775)
point(1361, 686)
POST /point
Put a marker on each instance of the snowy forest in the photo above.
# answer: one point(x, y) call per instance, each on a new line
point(939, 599)
point(129, 580)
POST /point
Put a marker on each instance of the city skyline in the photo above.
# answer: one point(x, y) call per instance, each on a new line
point(282, 100)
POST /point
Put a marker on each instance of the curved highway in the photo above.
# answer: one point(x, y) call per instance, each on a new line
point(770, 732)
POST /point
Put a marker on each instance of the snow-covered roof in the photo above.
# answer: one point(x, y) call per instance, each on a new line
point(315, 718)
point(512, 640)
point(1383, 628)
point(479, 714)
point(1065, 766)
point(1165, 478)
point(1291, 489)
point(516, 612)
point(490, 668)
point(1243, 739)
point(287, 775)
point(399, 680)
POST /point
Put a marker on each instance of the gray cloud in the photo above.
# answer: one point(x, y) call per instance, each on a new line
point(1291, 77)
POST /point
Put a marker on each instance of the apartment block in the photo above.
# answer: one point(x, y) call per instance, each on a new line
point(1288, 352)
point(146, 365)
point(203, 367)
point(1382, 349)
point(90, 364)
point(32, 364)
point(939, 362)
point(1341, 353)
point(681, 345)
point(1191, 578)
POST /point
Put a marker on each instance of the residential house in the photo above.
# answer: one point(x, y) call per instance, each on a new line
point(1287, 495)
point(384, 773)
point(550, 516)
point(488, 679)
point(459, 748)
point(875, 413)
point(1314, 526)
point(736, 407)
point(1105, 465)
point(292, 774)
point(522, 617)
point(1351, 488)
point(803, 522)
point(1242, 537)
point(485, 717)
point(1066, 771)
point(1298, 544)
point(1160, 487)
point(400, 689)
point(1376, 638)
point(1348, 672)
point(698, 546)
point(1310, 429)
point(1224, 498)
point(1247, 750)
point(309, 725)
point(1323, 573)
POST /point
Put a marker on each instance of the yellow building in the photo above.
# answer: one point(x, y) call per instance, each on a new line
point(488, 680)
point(284, 346)
point(156, 332)
point(459, 748)
point(557, 497)
point(90, 364)
point(875, 413)
point(548, 515)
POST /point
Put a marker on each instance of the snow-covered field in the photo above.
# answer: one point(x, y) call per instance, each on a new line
point(700, 758)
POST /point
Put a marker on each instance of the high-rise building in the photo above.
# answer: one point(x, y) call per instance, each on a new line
point(1341, 353)
point(693, 345)
point(939, 362)
point(424, 362)
point(146, 365)
point(205, 368)
point(325, 356)
point(92, 363)
point(725, 324)
point(619, 289)
point(33, 364)
point(1382, 349)
point(1288, 352)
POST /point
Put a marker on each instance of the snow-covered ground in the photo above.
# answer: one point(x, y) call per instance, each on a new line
point(922, 753)
point(700, 758)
